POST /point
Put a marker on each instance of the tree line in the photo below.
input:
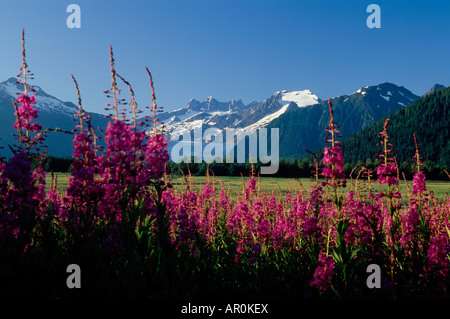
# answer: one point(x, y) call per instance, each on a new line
point(304, 167)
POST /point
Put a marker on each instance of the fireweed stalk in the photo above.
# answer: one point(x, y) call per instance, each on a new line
point(337, 224)
point(84, 190)
point(24, 196)
point(333, 156)
point(387, 172)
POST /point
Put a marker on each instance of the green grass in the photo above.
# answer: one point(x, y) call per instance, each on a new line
point(62, 179)
point(275, 185)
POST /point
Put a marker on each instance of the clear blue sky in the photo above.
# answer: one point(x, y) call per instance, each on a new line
point(241, 49)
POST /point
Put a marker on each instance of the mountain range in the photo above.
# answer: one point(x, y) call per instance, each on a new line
point(305, 128)
point(235, 114)
point(52, 112)
point(301, 116)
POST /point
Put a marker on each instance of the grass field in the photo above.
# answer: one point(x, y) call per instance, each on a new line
point(275, 185)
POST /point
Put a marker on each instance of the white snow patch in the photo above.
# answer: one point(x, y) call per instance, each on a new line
point(178, 129)
point(301, 98)
point(385, 97)
point(402, 104)
point(266, 120)
point(43, 103)
point(389, 93)
point(220, 113)
point(361, 91)
point(50, 104)
point(186, 115)
point(12, 89)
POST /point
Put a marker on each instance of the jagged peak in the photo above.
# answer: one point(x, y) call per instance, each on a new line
point(434, 88)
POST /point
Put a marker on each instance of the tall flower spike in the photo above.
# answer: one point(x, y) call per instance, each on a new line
point(333, 155)
point(416, 156)
point(333, 128)
point(25, 111)
point(387, 147)
point(113, 83)
point(419, 177)
point(153, 107)
point(133, 103)
point(80, 108)
point(388, 168)
point(24, 63)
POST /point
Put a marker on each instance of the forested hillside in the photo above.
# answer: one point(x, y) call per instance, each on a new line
point(428, 117)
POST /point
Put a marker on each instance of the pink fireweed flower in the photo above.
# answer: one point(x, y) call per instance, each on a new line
point(310, 227)
point(240, 250)
point(333, 155)
point(387, 170)
point(212, 222)
point(185, 230)
point(118, 138)
point(83, 186)
point(324, 273)
point(264, 230)
point(284, 231)
point(24, 200)
point(55, 202)
point(272, 205)
point(251, 185)
point(386, 174)
point(419, 183)
point(437, 254)
point(411, 223)
point(19, 170)
point(241, 221)
point(316, 195)
point(223, 199)
point(25, 113)
point(157, 155)
point(208, 191)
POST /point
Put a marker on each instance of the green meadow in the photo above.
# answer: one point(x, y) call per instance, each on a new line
point(270, 185)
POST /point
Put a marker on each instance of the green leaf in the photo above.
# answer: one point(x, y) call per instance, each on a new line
point(354, 252)
point(337, 256)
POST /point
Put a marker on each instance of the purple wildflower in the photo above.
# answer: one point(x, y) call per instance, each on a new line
point(323, 273)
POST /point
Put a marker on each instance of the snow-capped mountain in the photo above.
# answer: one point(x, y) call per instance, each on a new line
point(234, 114)
point(305, 128)
point(52, 112)
point(389, 93)
point(289, 100)
point(44, 102)
point(299, 115)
